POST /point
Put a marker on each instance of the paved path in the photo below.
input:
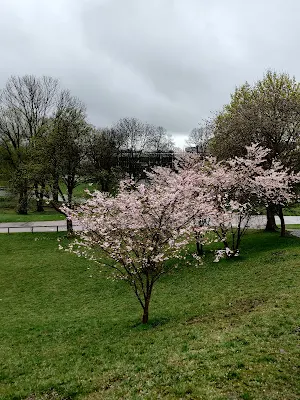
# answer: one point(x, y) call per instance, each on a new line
point(258, 221)
point(295, 232)
point(37, 226)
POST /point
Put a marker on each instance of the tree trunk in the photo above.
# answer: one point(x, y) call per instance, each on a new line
point(282, 223)
point(62, 195)
point(271, 224)
point(199, 246)
point(70, 196)
point(55, 189)
point(146, 311)
point(23, 200)
point(70, 230)
point(39, 205)
point(39, 197)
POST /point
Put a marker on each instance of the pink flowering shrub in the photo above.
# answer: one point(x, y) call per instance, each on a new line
point(140, 229)
point(237, 187)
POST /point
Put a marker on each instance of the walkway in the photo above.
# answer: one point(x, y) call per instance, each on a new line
point(258, 222)
point(37, 226)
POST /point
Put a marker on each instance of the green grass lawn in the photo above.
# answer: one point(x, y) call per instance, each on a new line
point(8, 212)
point(227, 330)
point(292, 226)
point(79, 191)
point(8, 207)
point(10, 215)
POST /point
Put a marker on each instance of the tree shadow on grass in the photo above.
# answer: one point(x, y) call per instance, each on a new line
point(153, 323)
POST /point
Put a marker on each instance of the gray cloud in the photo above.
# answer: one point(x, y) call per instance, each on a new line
point(168, 62)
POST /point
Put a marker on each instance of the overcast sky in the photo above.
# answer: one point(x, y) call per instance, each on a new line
point(168, 62)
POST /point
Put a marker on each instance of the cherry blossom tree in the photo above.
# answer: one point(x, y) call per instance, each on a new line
point(237, 187)
point(141, 228)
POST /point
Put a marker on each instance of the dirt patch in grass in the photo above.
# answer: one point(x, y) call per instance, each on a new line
point(235, 309)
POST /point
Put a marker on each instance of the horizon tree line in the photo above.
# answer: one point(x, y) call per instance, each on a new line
point(46, 139)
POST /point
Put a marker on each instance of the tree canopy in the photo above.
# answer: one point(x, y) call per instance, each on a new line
point(267, 113)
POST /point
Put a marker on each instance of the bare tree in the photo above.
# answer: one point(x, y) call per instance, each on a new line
point(26, 103)
point(199, 138)
point(132, 133)
point(32, 99)
point(160, 140)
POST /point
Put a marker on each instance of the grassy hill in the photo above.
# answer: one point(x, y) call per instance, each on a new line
point(227, 330)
